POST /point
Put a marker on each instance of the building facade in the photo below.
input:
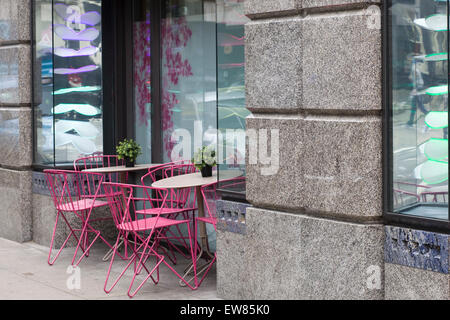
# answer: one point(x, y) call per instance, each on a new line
point(344, 105)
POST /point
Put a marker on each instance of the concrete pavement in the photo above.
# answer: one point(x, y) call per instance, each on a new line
point(25, 275)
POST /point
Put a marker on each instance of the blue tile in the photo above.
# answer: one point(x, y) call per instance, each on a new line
point(417, 249)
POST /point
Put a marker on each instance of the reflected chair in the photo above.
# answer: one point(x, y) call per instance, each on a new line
point(210, 198)
point(435, 197)
point(125, 202)
point(180, 203)
point(75, 193)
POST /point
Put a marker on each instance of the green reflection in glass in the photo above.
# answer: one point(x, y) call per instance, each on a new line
point(436, 149)
point(437, 91)
point(436, 57)
point(434, 172)
point(437, 119)
point(77, 89)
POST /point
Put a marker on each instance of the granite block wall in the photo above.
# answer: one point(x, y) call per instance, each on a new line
point(15, 121)
point(315, 231)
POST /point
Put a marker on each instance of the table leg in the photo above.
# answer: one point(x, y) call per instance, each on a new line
point(123, 178)
point(204, 245)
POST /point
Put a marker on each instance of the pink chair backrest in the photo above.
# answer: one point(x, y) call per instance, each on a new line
point(100, 161)
point(125, 200)
point(73, 190)
point(178, 198)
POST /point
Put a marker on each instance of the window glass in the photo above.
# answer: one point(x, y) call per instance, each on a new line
point(43, 82)
point(231, 85)
point(188, 77)
point(419, 109)
point(68, 80)
point(142, 78)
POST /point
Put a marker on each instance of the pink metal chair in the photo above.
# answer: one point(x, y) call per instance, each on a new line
point(210, 197)
point(102, 161)
point(180, 204)
point(75, 193)
point(125, 202)
point(97, 161)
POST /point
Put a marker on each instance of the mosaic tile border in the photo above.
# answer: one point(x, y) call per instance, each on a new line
point(231, 216)
point(417, 249)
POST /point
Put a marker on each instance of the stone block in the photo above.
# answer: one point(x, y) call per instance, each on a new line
point(286, 256)
point(231, 265)
point(341, 62)
point(333, 4)
point(284, 188)
point(16, 137)
point(406, 283)
point(15, 75)
point(327, 164)
point(273, 65)
point(16, 209)
point(320, 62)
point(270, 7)
point(15, 20)
point(341, 163)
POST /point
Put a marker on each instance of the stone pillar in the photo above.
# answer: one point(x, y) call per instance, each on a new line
point(313, 72)
point(15, 120)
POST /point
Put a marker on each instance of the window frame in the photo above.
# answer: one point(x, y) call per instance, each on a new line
point(391, 218)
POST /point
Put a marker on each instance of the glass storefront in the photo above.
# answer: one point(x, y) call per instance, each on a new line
point(181, 64)
point(418, 99)
point(67, 62)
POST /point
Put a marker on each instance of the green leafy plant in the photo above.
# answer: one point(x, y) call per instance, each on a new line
point(205, 156)
point(128, 149)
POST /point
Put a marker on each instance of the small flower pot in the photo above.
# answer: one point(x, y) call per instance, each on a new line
point(129, 163)
point(207, 171)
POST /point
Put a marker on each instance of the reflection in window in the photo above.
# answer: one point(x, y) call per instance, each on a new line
point(202, 78)
point(68, 80)
point(231, 84)
point(142, 77)
point(188, 76)
point(419, 91)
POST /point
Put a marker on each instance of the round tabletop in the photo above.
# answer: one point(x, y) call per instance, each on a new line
point(138, 167)
point(195, 180)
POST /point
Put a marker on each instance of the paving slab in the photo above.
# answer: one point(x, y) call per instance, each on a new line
point(25, 275)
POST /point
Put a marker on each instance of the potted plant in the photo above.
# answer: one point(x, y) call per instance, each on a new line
point(128, 150)
point(204, 160)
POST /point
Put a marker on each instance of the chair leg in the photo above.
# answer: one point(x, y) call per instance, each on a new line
point(131, 261)
point(194, 266)
point(72, 232)
point(196, 258)
point(207, 270)
point(110, 267)
point(142, 261)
